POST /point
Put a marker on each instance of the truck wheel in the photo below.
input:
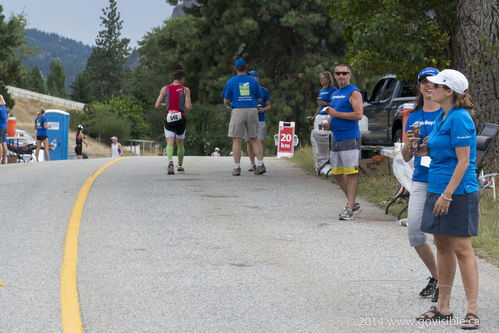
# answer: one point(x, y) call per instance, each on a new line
point(397, 137)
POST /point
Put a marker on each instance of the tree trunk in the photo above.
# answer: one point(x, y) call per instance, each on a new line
point(475, 53)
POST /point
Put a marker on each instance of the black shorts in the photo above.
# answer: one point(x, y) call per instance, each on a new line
point(177, 127)
point(79, 149)
point(41, 137)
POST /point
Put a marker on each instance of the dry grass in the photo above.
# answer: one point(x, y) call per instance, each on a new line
point(25, 112)
point(376, 188)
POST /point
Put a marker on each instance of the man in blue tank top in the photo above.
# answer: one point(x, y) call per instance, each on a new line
point(346, 110)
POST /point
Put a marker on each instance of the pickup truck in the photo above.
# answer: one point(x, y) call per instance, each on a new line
point(382, 109)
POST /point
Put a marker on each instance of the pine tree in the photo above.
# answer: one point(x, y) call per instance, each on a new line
point(105, 64)
point(36, 82)
point(56, 80)
point(80, 88)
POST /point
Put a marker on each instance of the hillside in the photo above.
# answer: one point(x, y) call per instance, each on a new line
point(25, 112)
point(72, 54)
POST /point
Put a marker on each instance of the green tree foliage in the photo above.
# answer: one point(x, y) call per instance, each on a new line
point(288, 42)
point(12, 49)
point(80, 88)
point(36, 82)
point(105, 64)
point(395, 36)
point(56, 80)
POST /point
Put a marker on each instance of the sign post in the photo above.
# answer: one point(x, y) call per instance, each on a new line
point(285, 144)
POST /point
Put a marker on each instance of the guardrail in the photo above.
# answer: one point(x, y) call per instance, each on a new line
point(61, 102)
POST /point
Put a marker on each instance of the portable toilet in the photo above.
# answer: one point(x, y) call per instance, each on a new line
point(58, 133)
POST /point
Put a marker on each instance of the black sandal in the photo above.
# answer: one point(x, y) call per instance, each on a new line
point(472, 321)
point(437, 315)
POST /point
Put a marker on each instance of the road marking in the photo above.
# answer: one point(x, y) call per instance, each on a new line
point(70, 306)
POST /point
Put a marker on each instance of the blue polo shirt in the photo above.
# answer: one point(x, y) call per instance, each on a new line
point(425, 120)
point(456, 130)
point(344, 129)
point(325, 95)
point(4, 116)
point(265, 98)
point(40, 130)
point(243, 91)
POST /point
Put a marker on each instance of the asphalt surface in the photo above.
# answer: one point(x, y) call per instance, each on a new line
point(208, 252)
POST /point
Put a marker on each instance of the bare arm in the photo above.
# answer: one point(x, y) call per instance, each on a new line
point(227, 102)
point(159, 102)
point(357, 107)
point(406, 150)
point(120, 147)
point(187, 94)
point(463, 161)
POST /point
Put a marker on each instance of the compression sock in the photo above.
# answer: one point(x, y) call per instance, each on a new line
point(180, 154)
point(169, 152)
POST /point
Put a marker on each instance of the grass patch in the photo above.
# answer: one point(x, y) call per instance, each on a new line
point(376, 188)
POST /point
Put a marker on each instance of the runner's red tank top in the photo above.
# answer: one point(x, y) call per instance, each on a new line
point(174, 98)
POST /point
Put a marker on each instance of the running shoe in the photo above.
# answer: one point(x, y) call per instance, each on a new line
point(236, 172)
point(430, 288)
point(347, 214)
point(180, 168)
point(171, 168)
point(259, 170)
point(252, 168)
point(356, 208)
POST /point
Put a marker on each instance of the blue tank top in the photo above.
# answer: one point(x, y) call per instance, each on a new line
point(344, 129)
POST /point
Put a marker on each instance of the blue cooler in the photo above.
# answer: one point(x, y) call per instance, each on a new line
point(58, 133)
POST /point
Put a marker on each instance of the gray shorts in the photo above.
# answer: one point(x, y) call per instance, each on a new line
point(241, 120)
point(344, 157)
point(262, 131)
point(3, 135)
point(415, 213)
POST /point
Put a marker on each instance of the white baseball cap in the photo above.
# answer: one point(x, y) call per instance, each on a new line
point(451, 78)
point(114, 138)
point(217, 148)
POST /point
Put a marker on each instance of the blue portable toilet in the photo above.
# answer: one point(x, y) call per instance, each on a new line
point(58, 133)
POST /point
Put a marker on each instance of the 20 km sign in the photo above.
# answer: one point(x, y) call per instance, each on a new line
point(285, 145)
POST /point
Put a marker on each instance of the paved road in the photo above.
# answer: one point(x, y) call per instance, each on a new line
point(208, 252)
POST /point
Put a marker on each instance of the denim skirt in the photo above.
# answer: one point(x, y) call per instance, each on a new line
point(461, 220)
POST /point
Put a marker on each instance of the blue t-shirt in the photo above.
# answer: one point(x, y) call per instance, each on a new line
point(344, 129)
point(425, 120)
point(325, 95)
point(456, 130)
point(4, 115)
point(265, 98)
point(243, 91)
point(40, 123)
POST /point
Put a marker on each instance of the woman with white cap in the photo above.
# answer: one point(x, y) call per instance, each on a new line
point(451, 207)
point(116, 148)
point(80, 140)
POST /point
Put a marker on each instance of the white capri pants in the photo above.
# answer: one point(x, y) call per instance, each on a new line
point(415, 213)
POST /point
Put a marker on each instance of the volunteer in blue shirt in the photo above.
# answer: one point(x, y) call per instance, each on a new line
point(451, 208)
point(263, 107)
point(41, 126)
point(423, 116)
point(242, 94)
point(4, 116)
point(346, 110)
point(324, 98)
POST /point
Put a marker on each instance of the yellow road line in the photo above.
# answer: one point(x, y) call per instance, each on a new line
point(70, 307)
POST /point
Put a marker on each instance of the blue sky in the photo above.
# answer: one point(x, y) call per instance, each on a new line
point(80, 19)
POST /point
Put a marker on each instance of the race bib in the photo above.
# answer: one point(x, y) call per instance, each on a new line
point(173, 116)
point(425, 161)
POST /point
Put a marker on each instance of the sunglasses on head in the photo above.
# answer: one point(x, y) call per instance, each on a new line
point(341, 73)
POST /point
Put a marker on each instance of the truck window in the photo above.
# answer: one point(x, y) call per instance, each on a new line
point(408, 90)
point(377, 90)
point(388, 91)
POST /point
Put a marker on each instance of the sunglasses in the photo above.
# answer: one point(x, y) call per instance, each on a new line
point(341, 73)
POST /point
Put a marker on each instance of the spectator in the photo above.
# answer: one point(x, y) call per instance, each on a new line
point(263, 107)
point(451, 208)
point(4, 116)
point(41, 126)
point(421, 118)
point(175, 98)
point(324, 98)
point(216, 152)
point(80, 140)
point(116, 148)
point(242, 93)
point(346, 110)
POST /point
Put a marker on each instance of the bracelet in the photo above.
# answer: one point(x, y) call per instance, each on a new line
point(445, 198)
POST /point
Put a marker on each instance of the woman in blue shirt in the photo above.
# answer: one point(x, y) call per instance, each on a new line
point(451, 208)
point(324, 98)
point(41, 127)
point(423, 115)
point(4, 116)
